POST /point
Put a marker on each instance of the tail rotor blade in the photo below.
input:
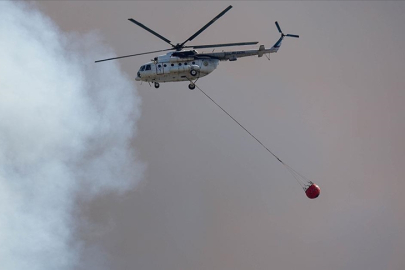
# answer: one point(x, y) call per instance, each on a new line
point(278, 27)
point(289, 35)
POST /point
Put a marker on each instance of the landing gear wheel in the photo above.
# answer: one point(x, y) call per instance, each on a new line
point(157, 85)
point(193, 72)
point(191, 86)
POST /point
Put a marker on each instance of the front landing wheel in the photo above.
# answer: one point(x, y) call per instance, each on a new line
point(191, 86)
point(157, 85)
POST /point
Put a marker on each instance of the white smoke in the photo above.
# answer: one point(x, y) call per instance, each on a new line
point(65, 129)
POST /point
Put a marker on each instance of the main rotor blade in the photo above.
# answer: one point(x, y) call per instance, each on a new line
point(150, 31)
point(222, 45)
point(132, 55)
point(207, 25)
point(278, 27)
point(289, 35)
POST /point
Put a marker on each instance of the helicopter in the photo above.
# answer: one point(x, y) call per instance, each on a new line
point(190, 65)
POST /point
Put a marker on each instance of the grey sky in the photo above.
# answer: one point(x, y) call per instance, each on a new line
point(329, 103)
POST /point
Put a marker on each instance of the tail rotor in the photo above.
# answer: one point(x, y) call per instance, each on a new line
point(285, 35)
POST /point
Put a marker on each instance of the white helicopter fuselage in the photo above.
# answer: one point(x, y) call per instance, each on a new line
point(191, 65)
point(174, 69)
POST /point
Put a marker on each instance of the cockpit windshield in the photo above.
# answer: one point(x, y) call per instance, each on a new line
point(142, 68)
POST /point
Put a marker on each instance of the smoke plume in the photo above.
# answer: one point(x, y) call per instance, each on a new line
point(65, 129)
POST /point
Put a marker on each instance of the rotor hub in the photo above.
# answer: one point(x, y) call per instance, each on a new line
point(178, 47)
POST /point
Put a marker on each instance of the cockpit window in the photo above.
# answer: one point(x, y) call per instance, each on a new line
point(147, 67)
point(142, 68)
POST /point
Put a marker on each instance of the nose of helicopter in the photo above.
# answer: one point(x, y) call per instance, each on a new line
point(138, 77)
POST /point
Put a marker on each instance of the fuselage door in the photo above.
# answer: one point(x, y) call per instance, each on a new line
point(160, 68)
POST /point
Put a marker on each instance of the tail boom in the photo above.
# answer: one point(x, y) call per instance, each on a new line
point(234, 55)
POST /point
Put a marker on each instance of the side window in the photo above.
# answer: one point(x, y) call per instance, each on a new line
point(147, 67)
point(172, 65)
point(142, 68)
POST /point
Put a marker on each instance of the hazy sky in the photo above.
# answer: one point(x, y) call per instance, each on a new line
point(330, 104)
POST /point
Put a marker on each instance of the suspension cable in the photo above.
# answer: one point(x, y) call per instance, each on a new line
point(294, 173)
